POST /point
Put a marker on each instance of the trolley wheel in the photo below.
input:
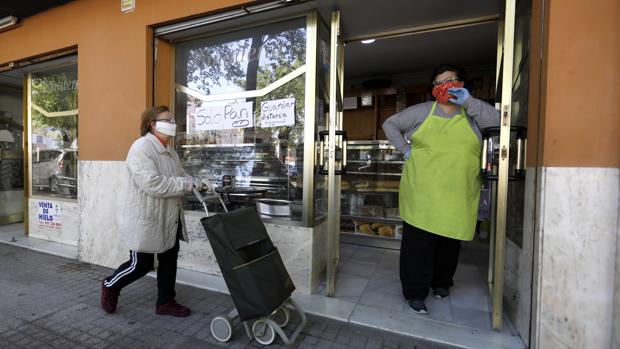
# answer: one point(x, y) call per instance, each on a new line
point(263, 332)
point(281, 317)
point(221, 328)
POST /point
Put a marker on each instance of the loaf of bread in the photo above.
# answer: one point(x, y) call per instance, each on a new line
point(386, 231)
point(363, 184)
point(387, 184)
point(365, 229)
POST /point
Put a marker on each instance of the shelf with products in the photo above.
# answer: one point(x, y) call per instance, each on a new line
point(377, 162)
point(369, 190)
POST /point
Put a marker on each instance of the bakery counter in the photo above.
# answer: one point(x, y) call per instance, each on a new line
point(369, 199)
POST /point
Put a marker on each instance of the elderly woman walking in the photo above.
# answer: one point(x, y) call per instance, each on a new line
point(151, 213)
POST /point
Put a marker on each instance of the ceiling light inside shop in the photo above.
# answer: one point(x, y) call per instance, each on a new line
point(368, 41)
point(7, 22)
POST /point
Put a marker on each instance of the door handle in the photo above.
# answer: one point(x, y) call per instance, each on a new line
point(322, 152)
point(490, 156)
point(324, 139)
point(343, 165)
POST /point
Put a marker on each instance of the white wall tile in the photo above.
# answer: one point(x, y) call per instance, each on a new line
point(579, 238)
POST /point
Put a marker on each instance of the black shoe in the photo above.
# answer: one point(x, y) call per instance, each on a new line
point(172, 308)
point(418, 307)
point(441, 292)
point(109, 298)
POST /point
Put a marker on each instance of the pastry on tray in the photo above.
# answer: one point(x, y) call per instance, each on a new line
point(363, 185)
point(387, 184)
point(386, 231)
point(365, 228)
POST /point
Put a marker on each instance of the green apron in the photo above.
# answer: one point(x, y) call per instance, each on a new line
point(440, 184)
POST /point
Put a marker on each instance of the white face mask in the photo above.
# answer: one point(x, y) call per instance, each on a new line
point(166, 128)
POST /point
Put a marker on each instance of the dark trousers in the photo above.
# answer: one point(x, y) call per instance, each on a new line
point(140, 263)
point(426, 260)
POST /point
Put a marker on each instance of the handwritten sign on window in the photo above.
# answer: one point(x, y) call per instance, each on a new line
point(224, 117)
point(279, 112)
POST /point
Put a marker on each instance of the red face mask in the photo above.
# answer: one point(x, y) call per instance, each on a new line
point(441, 93)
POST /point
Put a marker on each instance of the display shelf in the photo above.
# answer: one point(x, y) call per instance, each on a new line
point(369, 192)
point(375, 162)
point(373, 173)
point(369, 219)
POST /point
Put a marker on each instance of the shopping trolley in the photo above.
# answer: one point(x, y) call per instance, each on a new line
point(257, 280)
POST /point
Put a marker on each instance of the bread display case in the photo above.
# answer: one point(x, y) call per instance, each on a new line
point(369, 199)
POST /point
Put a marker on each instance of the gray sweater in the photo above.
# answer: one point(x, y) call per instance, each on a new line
point(399, 127)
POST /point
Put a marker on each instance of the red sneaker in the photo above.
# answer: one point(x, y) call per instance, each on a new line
point(109, 298)
point(172, 308)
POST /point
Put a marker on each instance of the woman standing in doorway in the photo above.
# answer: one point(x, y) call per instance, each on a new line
point(440, 184)
point(151, 213)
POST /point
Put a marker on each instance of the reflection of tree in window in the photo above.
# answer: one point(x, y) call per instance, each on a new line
point(55, 92)
point(244, 61)
point(216, 66)
point(238, 62)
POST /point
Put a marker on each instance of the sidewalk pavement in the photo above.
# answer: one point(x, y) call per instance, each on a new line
point(53, 302)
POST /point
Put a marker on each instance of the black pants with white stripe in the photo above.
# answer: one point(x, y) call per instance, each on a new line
point(140, 263)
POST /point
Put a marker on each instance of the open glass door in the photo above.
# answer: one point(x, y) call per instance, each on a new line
point(500, 174)
point(11, 148)
point(336, 143)
point(511, 141)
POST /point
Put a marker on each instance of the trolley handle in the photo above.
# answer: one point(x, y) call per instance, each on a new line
point(209, 196)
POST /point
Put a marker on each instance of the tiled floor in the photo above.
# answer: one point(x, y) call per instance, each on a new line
point(369, 277)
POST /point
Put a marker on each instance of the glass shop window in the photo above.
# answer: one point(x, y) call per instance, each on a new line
point(53, 118)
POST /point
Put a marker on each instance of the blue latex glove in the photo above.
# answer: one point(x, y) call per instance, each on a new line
point(407, 154)
point(460, 94)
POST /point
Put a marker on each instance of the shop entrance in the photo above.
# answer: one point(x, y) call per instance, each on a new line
point(386, 72)
point(38, 138)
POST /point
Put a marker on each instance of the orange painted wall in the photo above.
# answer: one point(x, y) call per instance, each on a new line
point(580, 81)
point(114, 61)
point(534, 123)
point(581, 84)
point(163, 73)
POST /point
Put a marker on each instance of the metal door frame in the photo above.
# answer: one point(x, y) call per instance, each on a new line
point(336, 77)
point(19, 217)
point(497, 286)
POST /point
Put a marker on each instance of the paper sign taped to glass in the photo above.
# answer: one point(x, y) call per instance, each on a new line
point(49, 214)
point(224, 117)
point(277, 112)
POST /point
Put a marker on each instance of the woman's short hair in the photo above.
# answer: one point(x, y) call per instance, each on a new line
point(149, 116)
point(440, 69)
